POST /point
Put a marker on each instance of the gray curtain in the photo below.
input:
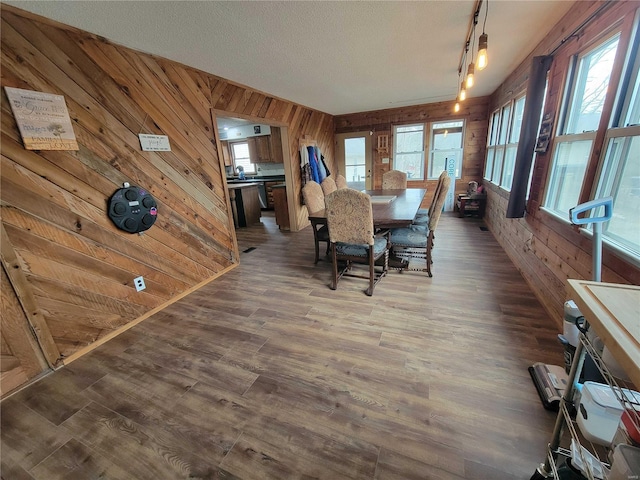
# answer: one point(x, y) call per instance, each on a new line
point(528, 135)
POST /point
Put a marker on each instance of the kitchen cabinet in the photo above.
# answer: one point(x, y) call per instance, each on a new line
point(281, 206)
point(226, 154)
point(276, 145)
point(262, 149)
point(268, 186)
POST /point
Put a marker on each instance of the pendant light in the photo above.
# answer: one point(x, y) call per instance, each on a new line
point(483, 59)
point(482, 52)
point(470, 72)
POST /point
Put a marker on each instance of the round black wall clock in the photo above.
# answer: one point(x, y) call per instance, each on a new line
point(132, 209)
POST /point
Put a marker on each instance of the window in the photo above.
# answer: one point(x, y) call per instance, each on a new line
point(512, 147)
point(446, 144)
point(409, 150)
point(620, 169)
point(493, 141)
point(583, 106)
point(242, 157)
point(503, 143)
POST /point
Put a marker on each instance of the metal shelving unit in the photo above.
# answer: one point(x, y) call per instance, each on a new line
point(612, 311)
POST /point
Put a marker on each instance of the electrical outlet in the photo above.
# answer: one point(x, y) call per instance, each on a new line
point(139, 283)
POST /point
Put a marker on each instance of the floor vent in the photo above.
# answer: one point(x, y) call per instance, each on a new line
point(250, 249)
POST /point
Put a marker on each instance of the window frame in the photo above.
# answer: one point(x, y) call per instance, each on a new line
point(598, 179)
point(563, 137)
point(422, 152)
point(427, 141)
point(459, 151)
point(235, 159)
point(501, 140)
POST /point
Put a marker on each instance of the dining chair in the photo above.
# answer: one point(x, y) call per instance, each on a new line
point(394, 180)
point(352, 239)
point(416, 241)
point(422, 216)
point(314, 201)
point(341, 182)
point(328, 186)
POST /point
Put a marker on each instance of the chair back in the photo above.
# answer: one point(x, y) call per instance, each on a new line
point(328, 186)
point(313, 197)
point(341, 182)
point(394, 180)
point(438, 188)
point(436, 209)
point(350, 217)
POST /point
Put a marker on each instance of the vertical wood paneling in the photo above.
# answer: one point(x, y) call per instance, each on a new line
point(546, 251)
point(76, 268)
point(381, 122)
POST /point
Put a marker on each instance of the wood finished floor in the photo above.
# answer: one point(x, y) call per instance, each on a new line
point(266, 373)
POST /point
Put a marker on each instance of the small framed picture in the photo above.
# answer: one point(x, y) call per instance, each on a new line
point(545, 134)
point(256, 129)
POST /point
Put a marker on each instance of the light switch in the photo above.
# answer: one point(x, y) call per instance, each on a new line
point(385, 160)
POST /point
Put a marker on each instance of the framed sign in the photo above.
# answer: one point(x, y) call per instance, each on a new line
point(154, 143)
point(43, 120)
point(545, 133)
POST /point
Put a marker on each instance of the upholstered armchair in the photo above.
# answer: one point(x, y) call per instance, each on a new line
point(394, 180)
point(314, 201)
point(351, 236)
point(328, 186)
point(341, 182)
point(415, 243)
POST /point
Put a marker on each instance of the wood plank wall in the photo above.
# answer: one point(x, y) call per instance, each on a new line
point(75, 265)
point(546, 251)
point(381, 122)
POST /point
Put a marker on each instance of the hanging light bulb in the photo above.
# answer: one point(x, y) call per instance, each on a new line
point(463, 92)
point(482, 52)
point(456, 107)
point(470, 72)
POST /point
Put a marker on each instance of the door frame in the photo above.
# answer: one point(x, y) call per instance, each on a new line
point(368, 155)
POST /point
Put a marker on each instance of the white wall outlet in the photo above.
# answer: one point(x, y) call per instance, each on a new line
point(385, 160)
point(139, 283)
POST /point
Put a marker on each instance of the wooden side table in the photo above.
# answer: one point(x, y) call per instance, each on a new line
point(471, 204)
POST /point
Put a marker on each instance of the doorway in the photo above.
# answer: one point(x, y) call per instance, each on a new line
point(267, 145)
point(354, 159)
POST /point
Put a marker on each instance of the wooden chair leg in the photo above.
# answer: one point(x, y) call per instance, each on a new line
point(317, 244)
point(428, 259)
point(372, 272)
point(334, 262)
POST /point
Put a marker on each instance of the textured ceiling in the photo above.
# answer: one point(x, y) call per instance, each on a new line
point(336, 57)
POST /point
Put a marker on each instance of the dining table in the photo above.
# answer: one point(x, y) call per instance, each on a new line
point(390, 208)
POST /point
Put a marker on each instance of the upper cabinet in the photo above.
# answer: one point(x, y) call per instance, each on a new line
point(226, 154)
point(276, 145)
point(263, 149)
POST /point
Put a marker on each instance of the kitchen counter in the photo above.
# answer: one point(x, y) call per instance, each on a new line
point(256, 179)
point(245, 204)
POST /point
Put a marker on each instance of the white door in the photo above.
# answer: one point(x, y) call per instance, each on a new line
point(354, 159)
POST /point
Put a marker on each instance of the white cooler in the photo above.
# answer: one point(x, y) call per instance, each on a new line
point(600, 410)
